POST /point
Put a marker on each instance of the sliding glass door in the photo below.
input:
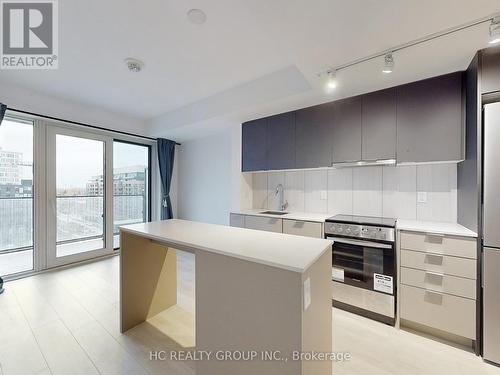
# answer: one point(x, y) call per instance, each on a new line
point(16, 196)
point(64, 192)
point(79, 196)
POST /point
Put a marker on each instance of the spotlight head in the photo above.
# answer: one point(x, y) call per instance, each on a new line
point(388, 63)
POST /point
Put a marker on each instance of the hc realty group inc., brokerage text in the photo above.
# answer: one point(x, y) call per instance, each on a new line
point(247, 355)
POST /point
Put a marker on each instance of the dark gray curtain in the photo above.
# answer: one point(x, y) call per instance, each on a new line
point(166, 154)
point(3, 108)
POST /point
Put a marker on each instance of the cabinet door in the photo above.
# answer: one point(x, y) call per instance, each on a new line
point(378, 139)
point(302, 228)
point(490, 70)
point(313, 136)
point(346, 137)
point(267, 224)
point(281, 141)
point(430, 123)
point(237, 220)
point(254, 145)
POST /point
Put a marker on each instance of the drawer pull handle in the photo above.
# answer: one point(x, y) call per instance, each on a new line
point(433, 297)
point(434, 273)
point(430, 234)
point(434, 238)
point(434, 259)
point(434, 278)
point(298, 224)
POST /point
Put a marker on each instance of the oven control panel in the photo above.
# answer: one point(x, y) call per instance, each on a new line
point(360, 231)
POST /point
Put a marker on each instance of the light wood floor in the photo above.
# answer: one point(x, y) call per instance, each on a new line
point(66, 322)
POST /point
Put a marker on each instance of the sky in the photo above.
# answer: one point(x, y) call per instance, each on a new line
point(77, 159)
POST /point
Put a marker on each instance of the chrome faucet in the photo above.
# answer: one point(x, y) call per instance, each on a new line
point(282, 203)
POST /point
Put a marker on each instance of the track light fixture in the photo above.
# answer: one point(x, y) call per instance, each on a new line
point(330, 73)
point(332, 79)
point(388, 63)
point(495, 30)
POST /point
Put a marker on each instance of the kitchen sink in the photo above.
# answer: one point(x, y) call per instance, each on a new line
point(273, 212)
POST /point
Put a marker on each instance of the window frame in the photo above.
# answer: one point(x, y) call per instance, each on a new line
point(40, 127)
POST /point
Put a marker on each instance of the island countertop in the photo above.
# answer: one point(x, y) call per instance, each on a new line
point(293, 253)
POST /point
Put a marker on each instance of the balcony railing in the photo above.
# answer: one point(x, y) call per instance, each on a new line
point(78, 218)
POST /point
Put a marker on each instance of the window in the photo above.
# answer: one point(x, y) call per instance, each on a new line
point(131, 184)
point(16, 196)
point(91, 183)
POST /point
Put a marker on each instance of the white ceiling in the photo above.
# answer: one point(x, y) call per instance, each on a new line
point(251, 58)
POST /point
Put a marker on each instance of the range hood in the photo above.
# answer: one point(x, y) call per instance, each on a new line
point(364, 163)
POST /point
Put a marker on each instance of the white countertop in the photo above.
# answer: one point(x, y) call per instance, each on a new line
point(304, 216)
point(452, 229)
point(293, 253)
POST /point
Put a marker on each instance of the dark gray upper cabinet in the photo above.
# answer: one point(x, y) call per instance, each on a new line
point(346, 136)
point(313, 134)
point(490, 70)
point(254, 145)
point(281, 141)
point(430, 120)
point(378, 140)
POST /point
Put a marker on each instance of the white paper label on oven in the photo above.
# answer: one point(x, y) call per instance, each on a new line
point(338, 274)
point(383, 283)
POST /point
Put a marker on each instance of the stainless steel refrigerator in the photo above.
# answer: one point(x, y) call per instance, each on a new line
point(491, 233)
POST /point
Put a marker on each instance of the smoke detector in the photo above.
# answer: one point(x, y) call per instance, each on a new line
point(197, 16)
point(134, 65)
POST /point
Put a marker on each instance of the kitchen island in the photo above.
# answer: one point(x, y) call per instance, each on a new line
point(255, 292)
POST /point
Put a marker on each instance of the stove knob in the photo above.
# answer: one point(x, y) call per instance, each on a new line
point(339, 229)
point(355, 231)
point(348, 230)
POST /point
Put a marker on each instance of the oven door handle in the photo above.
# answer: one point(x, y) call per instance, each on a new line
point(360, 243)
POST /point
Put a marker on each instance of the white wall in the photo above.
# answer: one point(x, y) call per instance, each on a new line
point(204, 175)
point(374, 191)
point(31, 101)
point(210, 182)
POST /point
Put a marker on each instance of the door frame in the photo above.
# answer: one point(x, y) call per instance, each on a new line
point(51, 209)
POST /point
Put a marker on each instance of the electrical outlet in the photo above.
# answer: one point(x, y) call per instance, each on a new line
point(307, 293)
point(323, 195)
point(422, 197)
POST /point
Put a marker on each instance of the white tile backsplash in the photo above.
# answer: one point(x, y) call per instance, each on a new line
point(439, 181)
point(295, 190)
point(399, 192)
point(378, 191)
point(367, 191)
point(316, 185)
point(340, 191)
point(259, 188)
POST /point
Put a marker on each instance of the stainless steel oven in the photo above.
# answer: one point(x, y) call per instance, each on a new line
point(363, 269)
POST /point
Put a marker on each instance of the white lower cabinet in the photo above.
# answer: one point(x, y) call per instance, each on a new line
point(452, 314)
point(278, 225)
point(268, 224)
point(438, 282)
point(302, 228)
point(237, 220)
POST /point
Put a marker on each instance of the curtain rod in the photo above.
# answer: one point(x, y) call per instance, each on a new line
point(82, 124)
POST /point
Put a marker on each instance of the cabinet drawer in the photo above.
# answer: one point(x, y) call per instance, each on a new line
point(237, 220)
point(439, 282)
point(448, 313)
point(447, 265)
point(447, 245)
point(302, 228)
point(268, 224)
